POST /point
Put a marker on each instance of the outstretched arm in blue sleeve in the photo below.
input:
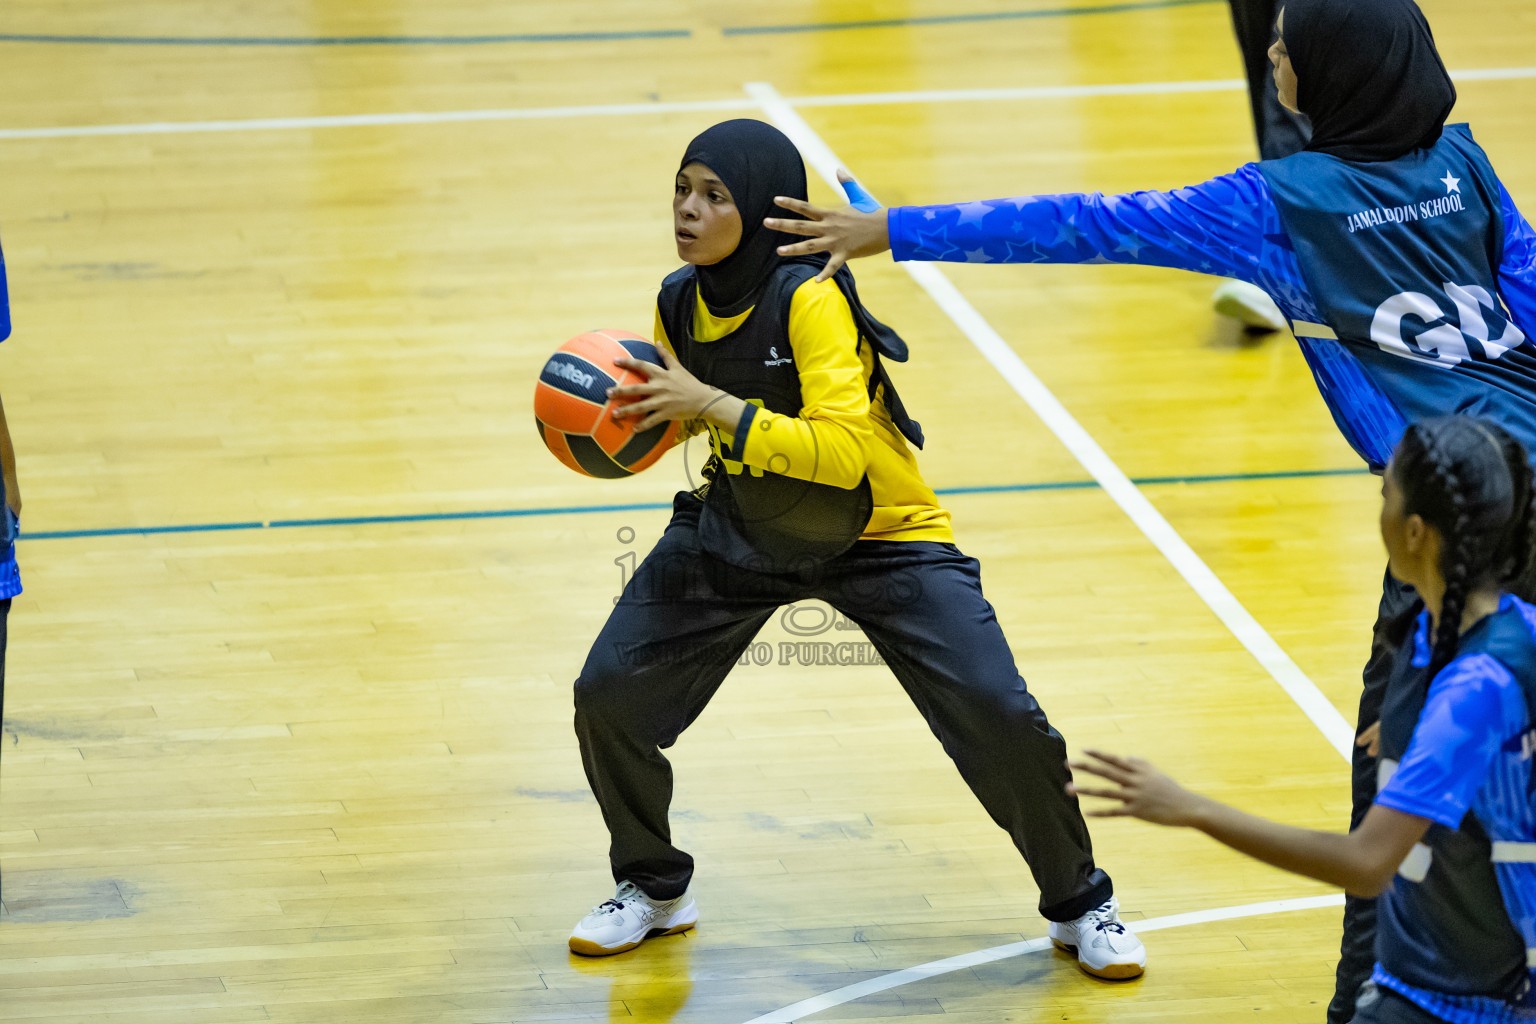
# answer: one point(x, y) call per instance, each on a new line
point(1227, 226)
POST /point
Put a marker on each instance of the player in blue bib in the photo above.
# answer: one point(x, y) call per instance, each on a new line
point(1450, 842)
point(10, 508)
point(1407, 273)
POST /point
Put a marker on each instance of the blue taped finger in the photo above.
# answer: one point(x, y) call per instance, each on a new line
point(860, 199)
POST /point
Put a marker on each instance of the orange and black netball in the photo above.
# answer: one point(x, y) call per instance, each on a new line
point(575, 415)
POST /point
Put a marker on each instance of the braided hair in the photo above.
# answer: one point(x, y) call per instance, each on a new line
point(1471, 481)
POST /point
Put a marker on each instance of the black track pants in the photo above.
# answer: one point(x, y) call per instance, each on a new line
point(686, 618)
point(1280, 132)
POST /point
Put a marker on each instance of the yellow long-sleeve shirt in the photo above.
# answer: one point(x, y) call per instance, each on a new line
point(839, 434)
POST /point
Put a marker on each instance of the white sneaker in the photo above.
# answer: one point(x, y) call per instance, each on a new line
point(1249, 304)
point(1104, 947)
point(629, 919)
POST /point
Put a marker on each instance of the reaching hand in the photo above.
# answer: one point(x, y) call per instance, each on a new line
point(1370, 739)
point(1141, 790)
point(848, 233)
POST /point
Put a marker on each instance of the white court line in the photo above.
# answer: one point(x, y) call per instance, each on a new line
point(365, 120)
point(1036, 92)
point(1086, 450)
point(922, 972)
point(1135, 505)
point(1492, 74)
point(1045, 92)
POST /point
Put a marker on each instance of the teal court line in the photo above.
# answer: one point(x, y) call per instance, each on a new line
point(473, 40)
point(513, 513)
point(965, 19)
point(597, 37)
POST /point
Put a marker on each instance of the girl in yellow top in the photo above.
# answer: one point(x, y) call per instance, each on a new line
point(812, 492)
point(843, 431)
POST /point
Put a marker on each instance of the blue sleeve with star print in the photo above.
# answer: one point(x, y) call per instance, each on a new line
point(1517, 270)
point(1228, 227)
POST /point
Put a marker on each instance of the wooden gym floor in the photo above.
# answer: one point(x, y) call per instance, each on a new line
point(288, 722)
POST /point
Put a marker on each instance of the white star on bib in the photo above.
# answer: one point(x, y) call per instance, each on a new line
point(1451, 184)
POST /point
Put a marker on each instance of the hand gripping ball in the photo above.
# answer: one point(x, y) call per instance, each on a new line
point(575, 415)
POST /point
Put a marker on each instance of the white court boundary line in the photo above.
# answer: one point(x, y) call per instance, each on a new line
point(1047, 92)
point(368, 120)
point(896, 979)
point(1056, 416)
point(1157, 529)
point(1087, 451)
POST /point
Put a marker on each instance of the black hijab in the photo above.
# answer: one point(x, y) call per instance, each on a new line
point(1368, 76)
point(756, 162)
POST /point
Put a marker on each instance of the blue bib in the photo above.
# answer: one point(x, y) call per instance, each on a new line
point(1401, 258)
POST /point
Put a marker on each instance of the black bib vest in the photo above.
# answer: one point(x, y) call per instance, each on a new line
point(757, 518)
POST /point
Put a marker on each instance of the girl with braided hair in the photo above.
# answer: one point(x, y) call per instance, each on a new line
point(1489, 545)
point(1449, 844)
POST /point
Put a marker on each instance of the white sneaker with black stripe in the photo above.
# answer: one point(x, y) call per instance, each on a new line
point(630, 918)
point(1103, 945)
